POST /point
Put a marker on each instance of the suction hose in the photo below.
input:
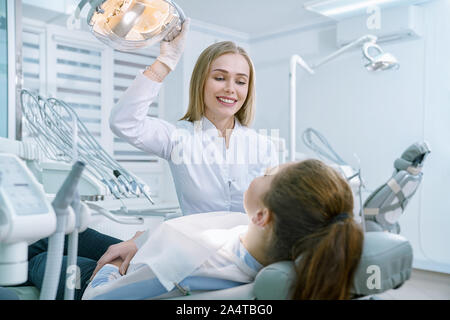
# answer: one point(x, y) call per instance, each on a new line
point(72, 274)
point(61, 205)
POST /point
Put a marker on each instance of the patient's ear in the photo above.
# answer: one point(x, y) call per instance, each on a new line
point(262, 218)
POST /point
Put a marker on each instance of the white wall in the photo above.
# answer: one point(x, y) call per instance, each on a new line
point(434, 221)
point(376, 116)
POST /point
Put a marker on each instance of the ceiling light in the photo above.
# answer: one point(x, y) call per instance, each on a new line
point(341, 9)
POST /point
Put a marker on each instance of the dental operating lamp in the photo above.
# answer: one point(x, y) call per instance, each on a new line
point(128, 25)
point(379, 62)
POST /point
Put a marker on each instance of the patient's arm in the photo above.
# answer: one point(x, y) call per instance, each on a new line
point(138, 283)
point(120, 254)
point(117, 262)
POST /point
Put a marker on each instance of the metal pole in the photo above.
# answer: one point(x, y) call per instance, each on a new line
point(292, 101)
point(295, 59)
point(15, 77)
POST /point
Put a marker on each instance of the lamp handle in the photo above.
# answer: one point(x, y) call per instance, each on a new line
point(367, 47)
point(93, 3)
point(180, 11)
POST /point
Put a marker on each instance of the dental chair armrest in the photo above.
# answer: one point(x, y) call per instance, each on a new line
point(243, 292)
point(271, 283)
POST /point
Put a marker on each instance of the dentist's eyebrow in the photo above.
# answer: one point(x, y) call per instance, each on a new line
point(225, 71)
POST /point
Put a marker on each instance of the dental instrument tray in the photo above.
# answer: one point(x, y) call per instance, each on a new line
point(64, 139)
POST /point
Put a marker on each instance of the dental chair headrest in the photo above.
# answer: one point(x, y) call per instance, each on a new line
point(414, 156)
point(279, 277)
point(385, 264)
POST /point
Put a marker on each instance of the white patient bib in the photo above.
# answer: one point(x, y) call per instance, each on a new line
point(181, 245)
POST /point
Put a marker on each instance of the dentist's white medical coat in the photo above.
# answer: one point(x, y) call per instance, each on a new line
point(207, 176)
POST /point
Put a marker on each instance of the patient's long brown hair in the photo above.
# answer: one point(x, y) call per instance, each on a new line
point(305, 197)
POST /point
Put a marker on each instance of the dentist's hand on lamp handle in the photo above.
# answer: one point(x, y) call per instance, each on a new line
point(119, 254)
point(169, 56)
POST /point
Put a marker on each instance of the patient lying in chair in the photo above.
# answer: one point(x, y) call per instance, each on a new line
point(228, 267)
point(298, 209)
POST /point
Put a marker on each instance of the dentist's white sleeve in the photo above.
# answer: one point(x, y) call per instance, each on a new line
point(129, 121)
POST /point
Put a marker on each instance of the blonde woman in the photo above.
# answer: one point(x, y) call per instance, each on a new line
point(212, 153)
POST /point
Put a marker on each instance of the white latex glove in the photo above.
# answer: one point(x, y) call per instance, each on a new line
point(171, 51)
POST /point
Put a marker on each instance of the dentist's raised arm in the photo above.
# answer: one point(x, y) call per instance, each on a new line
point(128, 119)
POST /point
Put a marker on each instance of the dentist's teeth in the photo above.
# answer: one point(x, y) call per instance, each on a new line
point(226, 100)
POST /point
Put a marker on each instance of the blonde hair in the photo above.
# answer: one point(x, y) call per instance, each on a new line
point(196, 108)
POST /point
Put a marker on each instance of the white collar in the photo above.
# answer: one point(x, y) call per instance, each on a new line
point(205, 124)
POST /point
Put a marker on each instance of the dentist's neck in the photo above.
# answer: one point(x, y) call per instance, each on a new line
point(222, 124)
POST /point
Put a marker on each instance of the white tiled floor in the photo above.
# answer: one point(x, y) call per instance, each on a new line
point(423, 285)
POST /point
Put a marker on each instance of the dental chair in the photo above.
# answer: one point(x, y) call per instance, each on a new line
point(386, 261)
point(385, 205)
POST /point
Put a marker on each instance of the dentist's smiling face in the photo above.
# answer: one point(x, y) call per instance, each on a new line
point(226, 86)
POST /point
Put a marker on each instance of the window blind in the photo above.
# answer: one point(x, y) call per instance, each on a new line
point(31, 53)
point(78, 82)
point(126, 67)
point(33, 66)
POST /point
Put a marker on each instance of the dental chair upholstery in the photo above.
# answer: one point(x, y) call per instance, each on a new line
point(385, 255)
